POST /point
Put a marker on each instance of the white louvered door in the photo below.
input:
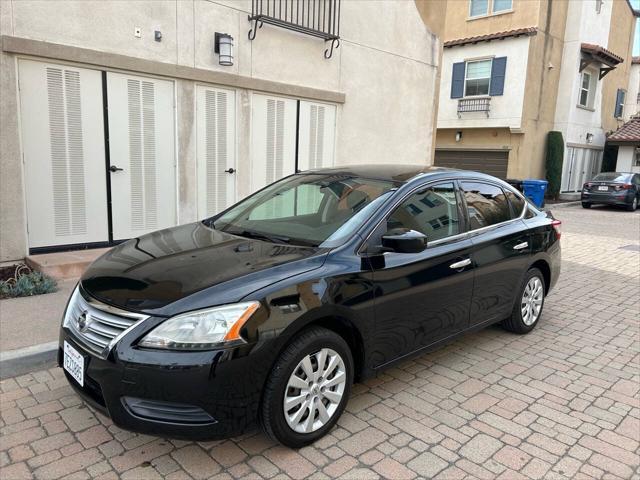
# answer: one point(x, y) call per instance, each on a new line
point(63, 145)
point(273, 139)
point(215, 149)
point(316, 136)
point(141, 141)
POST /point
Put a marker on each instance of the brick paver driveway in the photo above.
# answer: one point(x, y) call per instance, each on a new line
point(561, 402)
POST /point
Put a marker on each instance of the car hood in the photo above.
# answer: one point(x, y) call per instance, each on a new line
point(192, 266)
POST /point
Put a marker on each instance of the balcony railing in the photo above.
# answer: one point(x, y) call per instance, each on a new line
point(466, 105)
point(318, 18)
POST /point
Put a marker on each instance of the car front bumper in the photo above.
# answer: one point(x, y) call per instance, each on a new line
point(191, 395)
point(623, 197)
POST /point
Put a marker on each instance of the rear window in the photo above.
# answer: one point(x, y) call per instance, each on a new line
point(612, 177)
point(486, 204)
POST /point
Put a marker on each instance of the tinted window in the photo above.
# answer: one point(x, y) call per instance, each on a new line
point(517, 203)
point(486, 204)
point(433, 212)
point(612, 177)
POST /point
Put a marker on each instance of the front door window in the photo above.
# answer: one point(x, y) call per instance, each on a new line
point(433, 211)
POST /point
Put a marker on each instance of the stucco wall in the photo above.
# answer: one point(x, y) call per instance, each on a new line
point(506, 109)
point(584, 25)
point(543, 76)
point(386, 66)
point(524, 13)
point(625, 159)
point(620, 42)
point(631, 105)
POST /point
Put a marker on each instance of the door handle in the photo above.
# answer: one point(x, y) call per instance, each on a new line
point(460, 264)
point(521, 246)
point(115, 169)
point(230, 170)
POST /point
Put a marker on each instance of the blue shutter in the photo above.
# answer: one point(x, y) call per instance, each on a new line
point(457, 80)
point(619, 103)
point(498, 71)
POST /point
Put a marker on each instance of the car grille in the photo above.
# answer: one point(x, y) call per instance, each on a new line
point(98, 326)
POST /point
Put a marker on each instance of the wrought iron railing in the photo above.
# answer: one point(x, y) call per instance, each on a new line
point(466, 105)
point(319, 18)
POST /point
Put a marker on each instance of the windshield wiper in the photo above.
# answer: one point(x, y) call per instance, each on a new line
point(260, 236)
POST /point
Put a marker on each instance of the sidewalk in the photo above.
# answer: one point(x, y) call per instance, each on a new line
point(29, 328)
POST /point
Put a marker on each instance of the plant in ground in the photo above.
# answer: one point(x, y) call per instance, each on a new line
point(555, 154)
point(24, 282)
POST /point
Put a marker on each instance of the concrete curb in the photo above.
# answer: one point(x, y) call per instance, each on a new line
point(561, 205)
point(28, 359)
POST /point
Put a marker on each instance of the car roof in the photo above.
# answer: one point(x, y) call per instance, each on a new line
point(397, 172)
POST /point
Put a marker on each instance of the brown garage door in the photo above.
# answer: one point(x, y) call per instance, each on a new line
point(485, 161)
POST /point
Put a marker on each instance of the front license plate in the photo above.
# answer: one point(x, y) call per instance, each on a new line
point(603, 189)
point(74, 363)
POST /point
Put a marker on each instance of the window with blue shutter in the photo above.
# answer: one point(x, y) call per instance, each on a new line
point(498, 72)
point(619, 108)
point(457, 80)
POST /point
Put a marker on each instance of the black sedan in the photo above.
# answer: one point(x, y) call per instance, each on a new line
point(612, 188)
point(268, 312)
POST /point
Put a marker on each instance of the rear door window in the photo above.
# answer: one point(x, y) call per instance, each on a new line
point(486, 204)
point(516, 202)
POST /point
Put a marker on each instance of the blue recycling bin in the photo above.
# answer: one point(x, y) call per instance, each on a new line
point(534, 190)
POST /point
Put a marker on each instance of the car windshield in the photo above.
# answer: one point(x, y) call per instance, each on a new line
point(612, 177)
point(313, 209)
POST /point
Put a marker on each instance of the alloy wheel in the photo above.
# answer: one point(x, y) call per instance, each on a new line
point(531, 303)
point(314, 391)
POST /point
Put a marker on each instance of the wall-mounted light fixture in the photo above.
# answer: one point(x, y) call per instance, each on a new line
point(589, 137)
point(458, 135)
point(223, 46)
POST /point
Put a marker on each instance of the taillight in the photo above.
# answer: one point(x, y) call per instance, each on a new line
point(626, 186)
point(557, 226)
point(587, 186)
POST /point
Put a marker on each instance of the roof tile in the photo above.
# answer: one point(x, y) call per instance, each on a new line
point(491, 36)
point(627, 133)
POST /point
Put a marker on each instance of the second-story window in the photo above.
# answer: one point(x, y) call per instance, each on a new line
point(478, 78)
point(479, 8)
point(587, 90)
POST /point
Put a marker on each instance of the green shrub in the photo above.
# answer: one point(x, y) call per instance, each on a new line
point(555, 154)
point(27, 284)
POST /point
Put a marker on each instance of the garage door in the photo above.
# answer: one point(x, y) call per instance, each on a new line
point(491, 162)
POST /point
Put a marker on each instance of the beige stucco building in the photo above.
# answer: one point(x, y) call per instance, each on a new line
point(513, 70)
point(119, 118)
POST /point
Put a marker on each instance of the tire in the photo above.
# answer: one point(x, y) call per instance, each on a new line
point(633, 205)
point(310, 345)
point(516, 323)
point(586, 205)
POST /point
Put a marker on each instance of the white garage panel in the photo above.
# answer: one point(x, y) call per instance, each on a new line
point(273, 139)
point(141, 141)
point(63, 144)
point(317, 135)
point(215, 149)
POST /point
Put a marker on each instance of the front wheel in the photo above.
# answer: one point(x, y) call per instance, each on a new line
point(308, 388)
point(528, 307)
point(586, 205)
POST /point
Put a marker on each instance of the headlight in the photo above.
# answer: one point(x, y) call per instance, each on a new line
point(201, 329)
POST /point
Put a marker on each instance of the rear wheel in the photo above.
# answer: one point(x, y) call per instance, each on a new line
point(528, 308)
point(633, 205)
point(308, 388)
point(586, 205)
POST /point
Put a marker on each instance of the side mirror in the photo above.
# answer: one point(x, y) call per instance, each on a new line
point(403, 240)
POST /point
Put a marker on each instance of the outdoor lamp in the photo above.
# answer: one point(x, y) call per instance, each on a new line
point(224, 47)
